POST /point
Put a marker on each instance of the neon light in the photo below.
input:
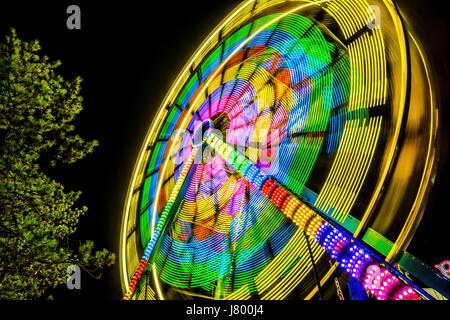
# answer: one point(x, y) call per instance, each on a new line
point(444, 268)
point(161, 223)
point(287, 90)
point(352, 258)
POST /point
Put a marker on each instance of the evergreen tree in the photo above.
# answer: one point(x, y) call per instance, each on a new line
point(37, 216)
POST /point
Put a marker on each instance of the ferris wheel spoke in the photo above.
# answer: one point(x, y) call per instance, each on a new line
point(160, 227)
point(335, 240)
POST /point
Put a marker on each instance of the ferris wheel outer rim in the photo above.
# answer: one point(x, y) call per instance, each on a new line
point(151, 134)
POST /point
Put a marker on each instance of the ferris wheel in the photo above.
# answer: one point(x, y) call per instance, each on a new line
point(296, 145)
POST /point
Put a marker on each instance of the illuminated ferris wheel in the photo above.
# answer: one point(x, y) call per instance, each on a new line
point(296, 145)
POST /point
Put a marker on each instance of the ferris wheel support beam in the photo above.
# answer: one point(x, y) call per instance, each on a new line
point(160, 227)
point(361, 262)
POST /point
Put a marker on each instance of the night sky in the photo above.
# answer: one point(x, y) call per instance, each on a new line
point(128, 54)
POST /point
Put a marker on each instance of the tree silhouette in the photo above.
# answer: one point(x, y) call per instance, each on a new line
point(37, 216)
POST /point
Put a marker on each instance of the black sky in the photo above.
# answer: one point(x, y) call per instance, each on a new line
point(128, 54)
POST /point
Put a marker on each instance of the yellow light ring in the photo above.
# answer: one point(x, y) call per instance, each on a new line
point(325, 198)
point(418, 207)
point(356, 163)
point(282, 273)
point(296, 274)
point(399, 107)
point(365, 64)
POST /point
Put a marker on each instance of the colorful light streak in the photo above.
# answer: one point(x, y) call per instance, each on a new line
point(161, 224)
point(295, 90)
point(352, 258)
